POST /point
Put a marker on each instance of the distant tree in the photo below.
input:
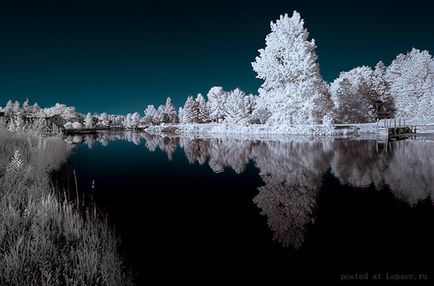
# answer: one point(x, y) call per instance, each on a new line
point(167, 112)
point(190, 111)
point(8, 108)
point(150, 114)
point(118, 120)
point(66, 112)
point(16, 109)
point(127, 121)
point(26, 107)
point(135, 119)
point(103, 120)
point(202, 109)
point(181, 115)
point(88, 121)
point(293, 89)
point(216, 102)
point(411, 78)
point(35, 110)
point(238, 107)
point(76, 125)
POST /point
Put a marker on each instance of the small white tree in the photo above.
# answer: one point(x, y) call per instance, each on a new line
point(88, 121)
point(103, 120)
point(127, 121)
point(167, 112)
point(135, 120)
point(181, 115)
point(150, 114)
point(8, 108)
point(26, 107)
point(293, 89)
point(237, 107)
point(190, 111)
point(202, 109)
point(216, 101)
point(16, 109)
point(76, 125)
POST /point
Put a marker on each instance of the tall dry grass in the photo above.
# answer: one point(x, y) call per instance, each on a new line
point(46, 240)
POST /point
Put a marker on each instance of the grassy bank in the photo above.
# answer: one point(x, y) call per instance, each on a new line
point(45, 239)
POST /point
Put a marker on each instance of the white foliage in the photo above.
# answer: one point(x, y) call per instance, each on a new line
point(88, 121)
point(150, 115)
point(216, 103)
point(352, 94)
point(411, 78)
point(135, 119)
point(76, 125)
point(293, 89)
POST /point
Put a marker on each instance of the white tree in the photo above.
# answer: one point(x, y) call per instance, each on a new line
point(216, 101)
point(127, 121)
point(353, 96)
point(167, 112)
point(104, 120)
point(35, 109)
point(382, 89)
point(190, 111)
point(181, 115)
point(411, 78)
point(88, 121)
point(8, 108)
point(26, 107)
point(237, 107)
point(202, 109)
point(293, 89)
point(66, 112)
point(16, 109)
point(150, 113)
point(135, 120)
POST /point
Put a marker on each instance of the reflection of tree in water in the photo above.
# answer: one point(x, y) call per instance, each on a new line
point(407, 168)
point(410, 173)
point(292, 170)
point(165, 144)
point(292, 173)
point(357, 163)
point(221, 153)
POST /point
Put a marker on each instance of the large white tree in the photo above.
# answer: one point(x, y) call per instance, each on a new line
point(293, 89)
point(411, 78)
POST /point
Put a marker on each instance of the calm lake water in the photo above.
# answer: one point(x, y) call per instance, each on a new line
point(290, 208)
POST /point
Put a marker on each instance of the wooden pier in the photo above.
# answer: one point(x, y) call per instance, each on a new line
point(394, 130)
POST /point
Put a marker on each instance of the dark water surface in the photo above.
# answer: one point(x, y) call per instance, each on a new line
point(288, 208)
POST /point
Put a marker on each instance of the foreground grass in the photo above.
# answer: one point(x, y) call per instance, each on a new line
point(45, 240)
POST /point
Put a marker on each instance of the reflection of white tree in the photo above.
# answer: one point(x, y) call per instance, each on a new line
point(407, 168)
point(357, 163)
point(292, 173)
point(292, 170)
point(410, 173)
point(165, 144)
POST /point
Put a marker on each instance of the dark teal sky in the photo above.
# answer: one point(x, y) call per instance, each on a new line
point(119, 56)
